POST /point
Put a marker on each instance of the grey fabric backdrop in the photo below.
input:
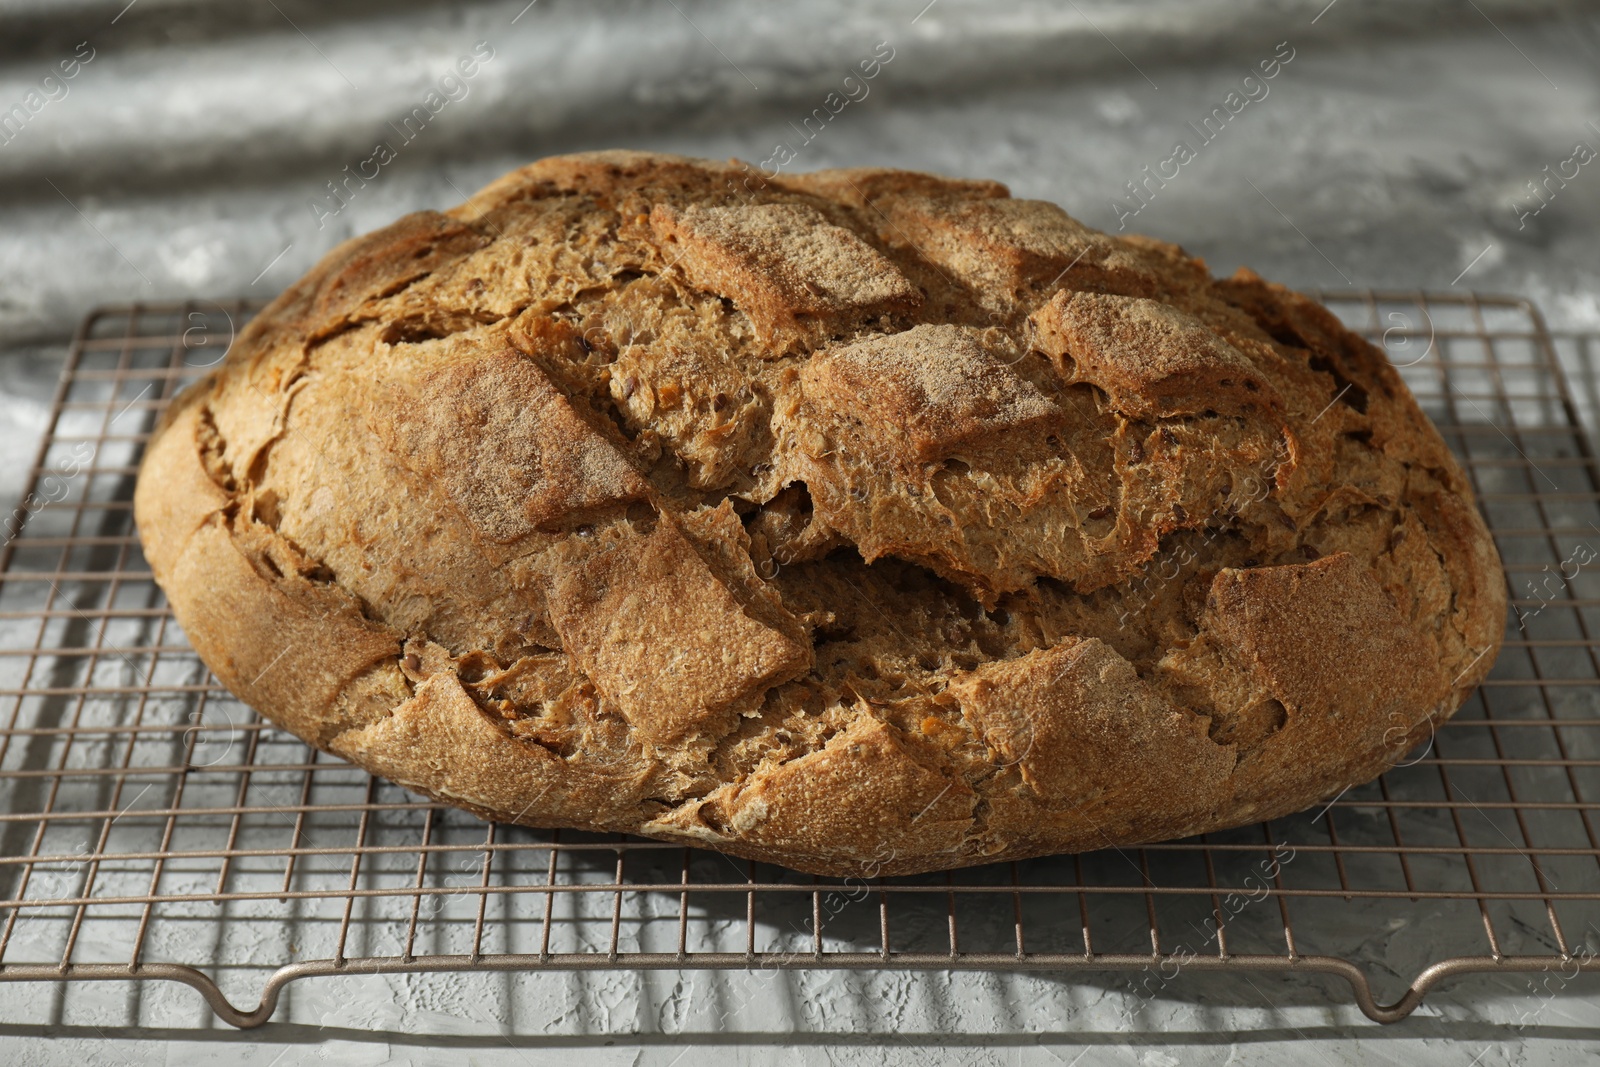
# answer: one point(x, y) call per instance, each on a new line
point(188, 156)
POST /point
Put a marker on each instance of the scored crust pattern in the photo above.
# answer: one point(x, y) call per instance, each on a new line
point(862, 521)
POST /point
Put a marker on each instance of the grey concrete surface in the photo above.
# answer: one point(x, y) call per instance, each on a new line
point(188, 158)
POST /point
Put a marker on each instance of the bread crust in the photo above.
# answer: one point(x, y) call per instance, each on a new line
point(866, 522)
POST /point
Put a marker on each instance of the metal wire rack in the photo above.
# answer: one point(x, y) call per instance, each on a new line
point(152, 827)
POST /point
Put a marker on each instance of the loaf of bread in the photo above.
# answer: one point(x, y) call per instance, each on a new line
point(861, 521)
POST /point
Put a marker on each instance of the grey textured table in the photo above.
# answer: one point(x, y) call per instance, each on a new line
point(190, 155)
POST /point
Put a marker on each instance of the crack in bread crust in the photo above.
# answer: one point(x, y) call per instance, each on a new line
point(866, 522)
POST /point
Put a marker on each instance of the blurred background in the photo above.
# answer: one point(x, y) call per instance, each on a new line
point(1406, 143)
point(161, 149)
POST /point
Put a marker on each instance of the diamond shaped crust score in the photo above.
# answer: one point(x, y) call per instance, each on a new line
point(1000, 247)
point(784, 265)
point(1152, 359)
point(664, 638)
point(490, 425)
point(924, 392)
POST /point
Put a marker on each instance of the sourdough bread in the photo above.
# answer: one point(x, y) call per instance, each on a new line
point(862, 521)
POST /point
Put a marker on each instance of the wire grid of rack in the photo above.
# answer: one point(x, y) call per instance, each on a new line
point(152, 827)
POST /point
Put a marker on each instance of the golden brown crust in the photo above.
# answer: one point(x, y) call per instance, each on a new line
point(861, 521)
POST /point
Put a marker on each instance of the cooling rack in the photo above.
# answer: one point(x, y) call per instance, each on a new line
point(152, 828)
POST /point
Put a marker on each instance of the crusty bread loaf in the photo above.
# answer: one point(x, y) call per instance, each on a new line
point(862, 521)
